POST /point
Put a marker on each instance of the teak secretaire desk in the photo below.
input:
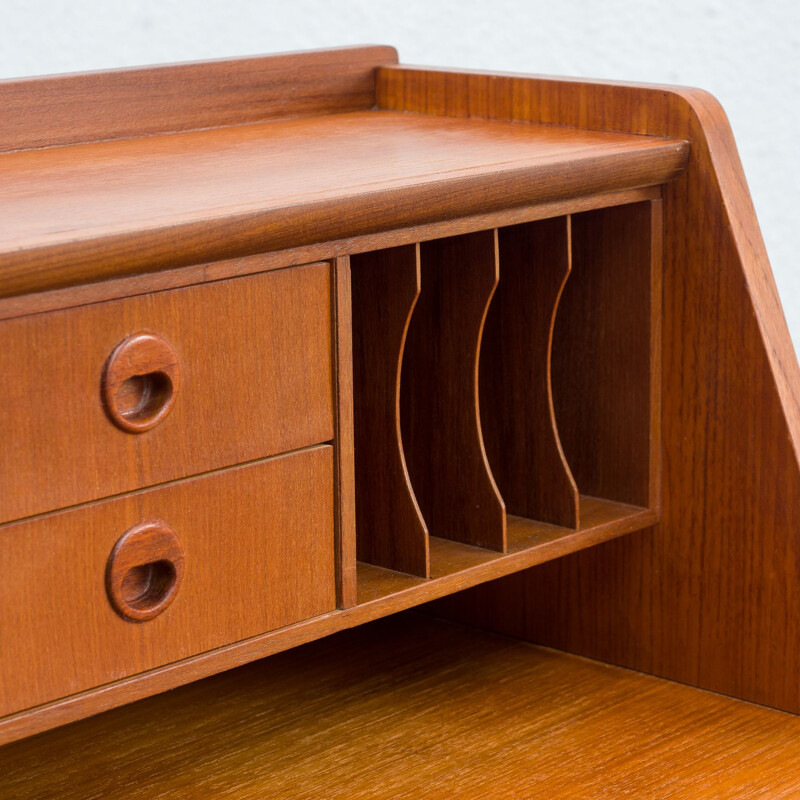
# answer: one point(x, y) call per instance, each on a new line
point(291, 344)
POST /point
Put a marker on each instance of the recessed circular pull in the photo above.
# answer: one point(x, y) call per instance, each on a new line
point(140, 382)
point(144, 571)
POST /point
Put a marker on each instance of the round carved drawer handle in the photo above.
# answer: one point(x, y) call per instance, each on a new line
point(144, 571)
point(140, 382)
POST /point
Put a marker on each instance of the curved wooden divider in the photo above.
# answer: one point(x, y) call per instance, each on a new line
point(390, 530)
point(519, 425)
point(439, 392)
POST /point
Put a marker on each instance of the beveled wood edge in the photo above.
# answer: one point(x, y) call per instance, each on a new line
point(130, 102)
point(716, 140)
point(146, 283)
point(416, 592)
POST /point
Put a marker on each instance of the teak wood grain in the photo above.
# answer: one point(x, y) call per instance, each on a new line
point(391, 530)
point(520, 430)
point(412, 707)
point(123, 103)
point(716, 594)
point(88, 212)
point(707, 593)
point(255, 358)
point(259, 554)
point(439, 414)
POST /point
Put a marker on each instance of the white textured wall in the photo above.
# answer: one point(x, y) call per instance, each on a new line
point(746, 52)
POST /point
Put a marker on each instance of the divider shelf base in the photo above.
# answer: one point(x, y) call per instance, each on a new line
point(456, 566)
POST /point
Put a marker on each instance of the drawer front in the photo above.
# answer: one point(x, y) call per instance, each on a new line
point(257, 550)
point(247, 365)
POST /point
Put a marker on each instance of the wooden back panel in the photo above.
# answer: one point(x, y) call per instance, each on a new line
point(42, 112)
point(711, 596)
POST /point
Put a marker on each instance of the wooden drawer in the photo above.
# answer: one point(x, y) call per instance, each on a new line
point(250, 376)
point(257, 545)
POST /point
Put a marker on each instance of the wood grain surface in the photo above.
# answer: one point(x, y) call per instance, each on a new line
point(414, 707)
point(89, 212)
point(391, 530)
point(259, 554)
point(249, 389)
point(95, 106)
point(439, 415)
point(712, 596)
point(519, 427)
point(381, 592)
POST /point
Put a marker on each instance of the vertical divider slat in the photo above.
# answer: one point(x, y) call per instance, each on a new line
point(346, 582)
point(519, 426)
point(439, 408)
point(391, 532)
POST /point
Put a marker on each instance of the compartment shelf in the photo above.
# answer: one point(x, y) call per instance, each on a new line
point(474, 354)
point(456, 566)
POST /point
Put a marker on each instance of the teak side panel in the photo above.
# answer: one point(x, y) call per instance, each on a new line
point(255, 358)
point(259, 554)
point(391, 530)
point(94, 106)
point(605, 368)
point(711, 596)
point(519, 427)
point(439, 414)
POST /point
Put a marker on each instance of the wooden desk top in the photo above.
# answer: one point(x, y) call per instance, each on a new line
point(412, 707)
